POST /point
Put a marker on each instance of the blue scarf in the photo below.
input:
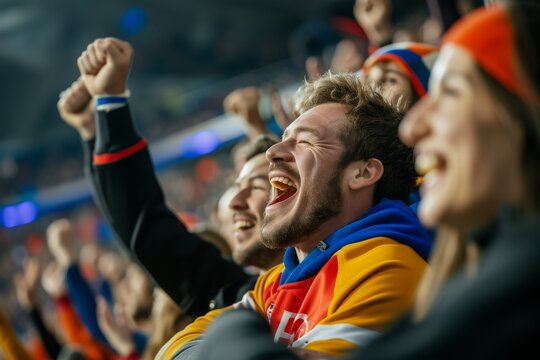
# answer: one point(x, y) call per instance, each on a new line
point(389, 218)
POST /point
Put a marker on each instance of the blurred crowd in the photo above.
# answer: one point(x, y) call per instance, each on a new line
point(387, 209)
point(172, 107)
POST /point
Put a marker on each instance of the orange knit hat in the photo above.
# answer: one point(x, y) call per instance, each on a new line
point(487, 34)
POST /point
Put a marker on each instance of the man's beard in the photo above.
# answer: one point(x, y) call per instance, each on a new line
point(257, 255)
point(324, 205)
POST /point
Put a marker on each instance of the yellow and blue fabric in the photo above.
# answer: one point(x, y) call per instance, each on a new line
point(345, 293)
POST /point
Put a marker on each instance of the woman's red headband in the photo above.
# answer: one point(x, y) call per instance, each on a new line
point(488, 35)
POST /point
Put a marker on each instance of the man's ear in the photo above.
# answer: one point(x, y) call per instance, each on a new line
point(364, 173)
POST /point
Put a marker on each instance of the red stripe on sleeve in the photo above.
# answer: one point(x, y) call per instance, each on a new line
point(103, 159)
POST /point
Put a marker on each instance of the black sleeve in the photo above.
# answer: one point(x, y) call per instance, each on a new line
point(189, 269)
point(233, 292)
point(50, 343)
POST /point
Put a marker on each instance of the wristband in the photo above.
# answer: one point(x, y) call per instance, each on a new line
point(108, 102)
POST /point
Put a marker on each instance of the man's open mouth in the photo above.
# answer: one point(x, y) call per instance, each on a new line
point(243, 224)
point(282, 189)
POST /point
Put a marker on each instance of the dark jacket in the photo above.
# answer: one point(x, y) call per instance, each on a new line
point(189, 269)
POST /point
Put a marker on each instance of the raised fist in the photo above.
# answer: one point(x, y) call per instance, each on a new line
point(53, 280)
point(59, 238)
point(244, 102)
point(314, 68)
point(26, 284)
point(347, 57)
point(76, 108)
point(104, 66)
point(374, 17)
point(283, 112)
point(114, 329)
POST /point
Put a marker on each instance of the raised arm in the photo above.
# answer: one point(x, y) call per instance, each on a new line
point(244, 102)
point(26, 285)
point(59, 240)
point(189, 269)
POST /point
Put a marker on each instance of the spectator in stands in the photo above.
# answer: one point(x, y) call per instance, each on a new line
point(478, 143)
point(77, 335)
point(401, 71)
point(334, 175)
point(111, 269)
point(26, 286)
point(60, 243)
point(477, 134)
point(250, 198)
point(135, 299)
point(166, 320)
point(54, 283)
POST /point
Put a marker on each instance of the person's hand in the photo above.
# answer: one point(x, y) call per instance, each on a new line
point(347, 57)
point(26, 283)
point(115, 330)
point(284, 117)
point(53, 280)
point(244, 102)
point(314, 68)
point(59, 240)
point(374, 17)
point(76, 108)
point(104, 66)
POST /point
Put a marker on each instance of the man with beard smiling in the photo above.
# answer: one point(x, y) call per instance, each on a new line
point(244, 203)
point(251, 194)
point(248, 198)
point(355, 251)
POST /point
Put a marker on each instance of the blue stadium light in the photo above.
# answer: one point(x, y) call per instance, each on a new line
point(27, 212)
point(133, 20)
point(200, 143)
point(19, 214)
point(9, 216)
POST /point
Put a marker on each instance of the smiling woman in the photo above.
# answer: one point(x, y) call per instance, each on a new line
point(477, 139)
